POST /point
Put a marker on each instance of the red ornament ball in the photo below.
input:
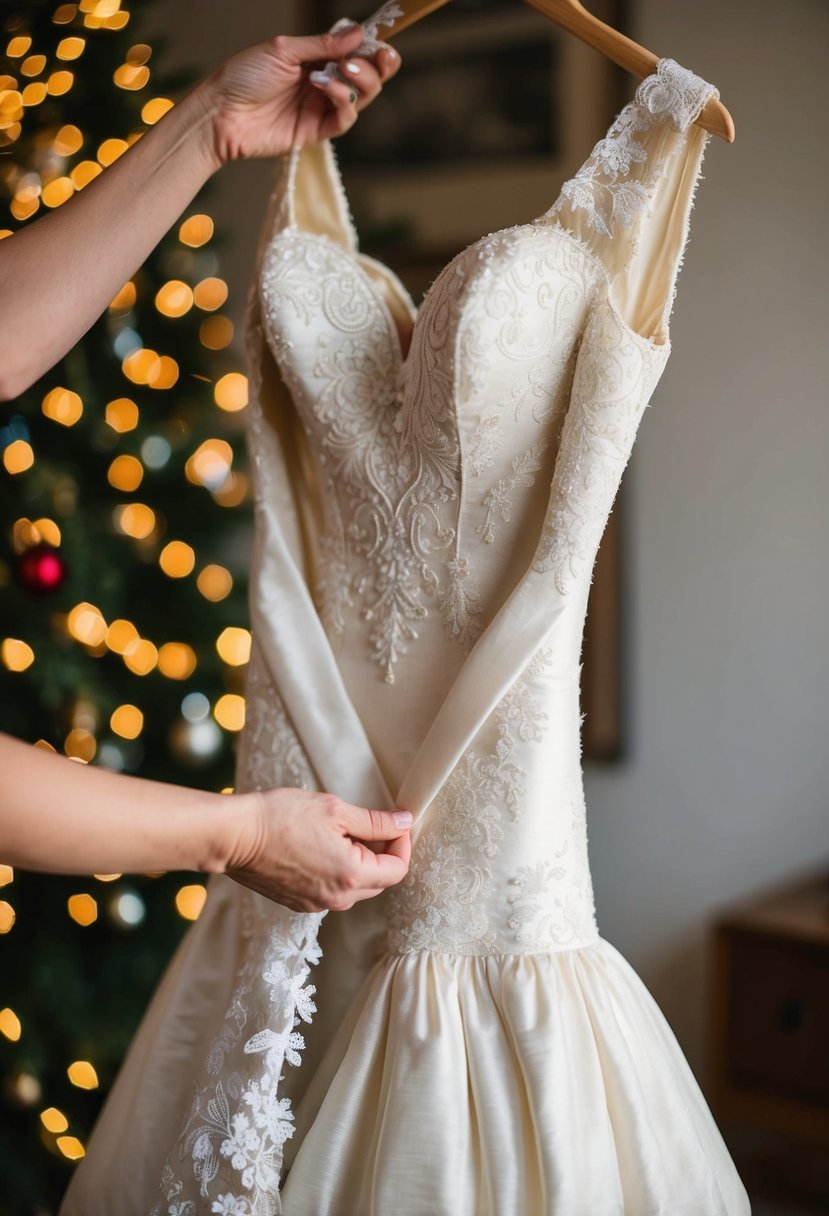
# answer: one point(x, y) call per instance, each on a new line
point(41, 569)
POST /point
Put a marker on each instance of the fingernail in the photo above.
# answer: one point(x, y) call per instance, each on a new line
point(392, 53)
point(353, 68)
point(403, 819)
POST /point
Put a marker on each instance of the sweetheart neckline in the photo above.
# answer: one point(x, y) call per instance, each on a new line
point(541, 223)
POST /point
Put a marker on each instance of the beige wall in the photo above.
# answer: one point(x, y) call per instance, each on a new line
point(727, 560)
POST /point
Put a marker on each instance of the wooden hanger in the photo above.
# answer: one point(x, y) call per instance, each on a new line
point(572, 16)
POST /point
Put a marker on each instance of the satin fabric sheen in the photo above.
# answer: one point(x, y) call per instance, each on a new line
point(427, 522)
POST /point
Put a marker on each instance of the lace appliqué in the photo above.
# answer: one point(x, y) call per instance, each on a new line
point(386, 435)
point(539, 309)
point(442, 904)
point(459, 602)
point(386, 16)
point(552, 903)
point(603, 187)
point(519, 715)
point(612, 386)
point(270, 753)
point(535, 292)
point(229, 1152)
point(675, 93)
point(498, 500)
point(485, 443)
point(237, 1124)
point(371, 44)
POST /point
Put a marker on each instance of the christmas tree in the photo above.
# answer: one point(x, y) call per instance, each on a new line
point(123, 516)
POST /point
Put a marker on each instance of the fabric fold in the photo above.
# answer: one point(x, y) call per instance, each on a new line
point(509, 1043)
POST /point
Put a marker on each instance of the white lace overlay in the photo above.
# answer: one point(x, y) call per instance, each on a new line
point(606, 187)
point(229, 1151)
point(270, 753)
point(386, 16)
point(613, 384)
point(384, 440)
point(498, 501)
point(233, 1138)
point(552, 901)
point(445, 902)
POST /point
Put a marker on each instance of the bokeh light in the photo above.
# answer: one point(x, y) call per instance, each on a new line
point(122, 414)
point(16, 654)
point(233, 645)
point(71, 1147)
point(196, 230)
point(215, 582)
point(177, 559)
point(86, 624)
point(82, 1074)
point(127, 721)
point(174, 299)
point(190, 901)
point(54, 1120)
point(140, 657)
point(176, 660)
point(231, 392)
point(10, 1025)
point(229, 711)
point(62, 405)
point(83, 909)
point(125, 473)
point(135, 519)
point(18, 456)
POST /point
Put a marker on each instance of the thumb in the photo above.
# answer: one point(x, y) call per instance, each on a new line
point(375, 825)
point(317, 47)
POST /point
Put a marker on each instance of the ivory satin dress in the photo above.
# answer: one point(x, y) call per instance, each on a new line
point(427, 521)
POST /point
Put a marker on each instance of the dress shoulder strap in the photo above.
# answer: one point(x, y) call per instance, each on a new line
point(631, 199)
point(308, 193)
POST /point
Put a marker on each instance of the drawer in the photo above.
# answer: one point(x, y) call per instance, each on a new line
point(778, 1016)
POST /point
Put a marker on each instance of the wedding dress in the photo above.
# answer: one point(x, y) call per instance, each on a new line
point(427, 522)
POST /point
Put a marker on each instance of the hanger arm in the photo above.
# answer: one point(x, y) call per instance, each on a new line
point(572, 16)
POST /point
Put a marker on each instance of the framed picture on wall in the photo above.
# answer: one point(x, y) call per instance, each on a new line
point(494, 108)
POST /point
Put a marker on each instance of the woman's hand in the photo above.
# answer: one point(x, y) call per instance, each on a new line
point(299, 848)
point(60, 272)
point(262, 101)
point(306, 850)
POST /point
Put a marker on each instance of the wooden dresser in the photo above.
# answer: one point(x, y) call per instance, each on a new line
point(769, 1038)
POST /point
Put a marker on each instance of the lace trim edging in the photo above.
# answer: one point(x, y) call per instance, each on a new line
point(602, 187)
point(253, 1137)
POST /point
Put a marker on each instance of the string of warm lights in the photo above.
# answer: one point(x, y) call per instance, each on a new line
point(117, 440)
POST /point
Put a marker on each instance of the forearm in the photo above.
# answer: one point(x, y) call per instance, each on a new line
point(58, 274)
point(63, 817)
